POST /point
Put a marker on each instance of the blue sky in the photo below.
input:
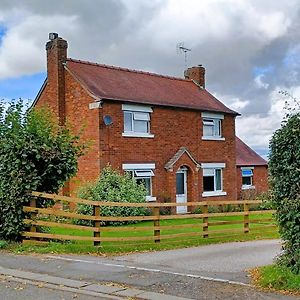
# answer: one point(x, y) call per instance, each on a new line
point(25, 87)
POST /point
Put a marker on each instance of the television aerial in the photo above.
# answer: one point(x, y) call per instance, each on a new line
point(180, 48)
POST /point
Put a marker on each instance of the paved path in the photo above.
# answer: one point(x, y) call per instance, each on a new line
point(208, 272)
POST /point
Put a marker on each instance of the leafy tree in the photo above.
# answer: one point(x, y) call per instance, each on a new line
point(112, 186)
point(284, 166)
point(35, 154)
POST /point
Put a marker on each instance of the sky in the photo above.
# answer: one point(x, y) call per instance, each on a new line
point(250, 48)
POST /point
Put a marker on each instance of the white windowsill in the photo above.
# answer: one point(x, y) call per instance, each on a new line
point(138, 134)
point(248, 187)
point(214, 193)
point(150, 198)
point(213, 138)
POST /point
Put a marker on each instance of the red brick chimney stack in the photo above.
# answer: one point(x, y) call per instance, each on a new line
point(56, 49)
point(197, 74)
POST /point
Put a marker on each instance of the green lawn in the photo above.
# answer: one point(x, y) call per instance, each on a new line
point(256, 232)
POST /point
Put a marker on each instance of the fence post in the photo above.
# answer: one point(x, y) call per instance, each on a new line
point(156, 213)
point(97, 223)
point(246, 218)
point(205, 221)
point(33, 228)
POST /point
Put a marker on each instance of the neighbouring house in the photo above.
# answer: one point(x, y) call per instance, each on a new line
point(169, 133)
point(252, 171)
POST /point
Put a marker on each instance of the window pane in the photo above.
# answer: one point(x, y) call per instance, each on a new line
point(140, 126)
point(247, 172)
point(208, 172)
point(143, 173)
point(208, 184)
point(127, 121)
point(146, 182)
point(141, 116)
point(247, 180)
point(217, 128)
point(179, 183)
point(218, 180)
point(208, 130)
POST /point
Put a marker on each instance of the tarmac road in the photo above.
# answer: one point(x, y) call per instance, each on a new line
point(207, 272)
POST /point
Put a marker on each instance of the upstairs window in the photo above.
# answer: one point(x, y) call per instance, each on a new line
point(212, 126)
point(136, 120)
point(247, 178)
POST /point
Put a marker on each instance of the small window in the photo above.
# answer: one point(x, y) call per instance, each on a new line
point(212, 180)
point(212, 127)
point(136, 122)
point(143, 177)
point(247, 177)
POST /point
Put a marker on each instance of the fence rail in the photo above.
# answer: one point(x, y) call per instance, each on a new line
point(159, 230)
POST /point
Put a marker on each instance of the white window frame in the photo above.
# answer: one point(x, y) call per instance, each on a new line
point(214, 167)
point(137, 171)
point(248, 186)
point(216, 123)
point(142, 113)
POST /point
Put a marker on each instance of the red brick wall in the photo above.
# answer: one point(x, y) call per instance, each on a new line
point(82, 121)
point(172, 129)
point(260, 181)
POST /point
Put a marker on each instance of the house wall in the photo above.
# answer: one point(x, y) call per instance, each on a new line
point(82, 121)
point(172, 129)
point(260, 182)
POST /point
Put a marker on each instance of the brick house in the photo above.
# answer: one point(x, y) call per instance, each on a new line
point(169, 133)
point(252, 171)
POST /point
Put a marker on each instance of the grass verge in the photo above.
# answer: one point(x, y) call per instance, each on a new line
point(275, 277)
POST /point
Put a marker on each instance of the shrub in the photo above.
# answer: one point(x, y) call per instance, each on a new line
point(285, 181)
point(112, 186)
point(35, 154)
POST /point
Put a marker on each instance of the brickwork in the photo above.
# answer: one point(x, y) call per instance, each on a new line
point(260, 182)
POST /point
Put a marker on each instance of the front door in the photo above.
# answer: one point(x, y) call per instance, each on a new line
point(181, 190)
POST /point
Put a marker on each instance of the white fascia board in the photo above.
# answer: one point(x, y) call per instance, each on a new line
point(212, 165)
point(138, 166)
point(247, 168)
point(141, 108)
point(212, 115)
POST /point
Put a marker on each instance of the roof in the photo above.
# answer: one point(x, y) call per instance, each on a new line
point(120, 84)
point(245, 156)
point(169, 165)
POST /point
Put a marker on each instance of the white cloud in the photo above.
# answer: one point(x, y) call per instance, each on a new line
point(21, 51)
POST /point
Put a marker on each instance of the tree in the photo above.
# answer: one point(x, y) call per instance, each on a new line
point(284, 166)
point(35, 154)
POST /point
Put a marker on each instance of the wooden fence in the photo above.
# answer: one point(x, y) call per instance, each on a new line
point(62, 218)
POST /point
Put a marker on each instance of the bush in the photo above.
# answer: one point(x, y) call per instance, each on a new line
point(285, 181)
point(35, 154)
point(164, 197)
point(112, 186)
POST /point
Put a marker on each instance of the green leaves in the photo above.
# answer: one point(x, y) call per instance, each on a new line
point(284, 166)
point(112, 186)
point(35, 154)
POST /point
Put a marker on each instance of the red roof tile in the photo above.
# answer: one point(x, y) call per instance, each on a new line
point(107, 82)
point(245, 156)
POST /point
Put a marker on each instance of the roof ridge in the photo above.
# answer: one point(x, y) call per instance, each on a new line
point(126, 69)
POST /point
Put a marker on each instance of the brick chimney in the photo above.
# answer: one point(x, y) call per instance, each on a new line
point(56, 49)
point(197, 74)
